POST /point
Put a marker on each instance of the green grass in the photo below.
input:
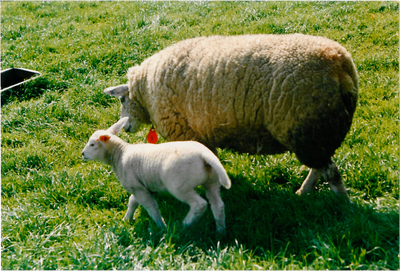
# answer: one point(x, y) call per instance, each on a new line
point(59, 212)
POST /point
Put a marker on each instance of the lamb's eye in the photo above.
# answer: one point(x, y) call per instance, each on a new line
point(91, 145)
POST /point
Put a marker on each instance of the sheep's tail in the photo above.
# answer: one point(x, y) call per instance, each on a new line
point(349, 85)
point(213, 161)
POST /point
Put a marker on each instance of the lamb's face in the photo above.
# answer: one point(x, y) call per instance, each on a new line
point(94, 149)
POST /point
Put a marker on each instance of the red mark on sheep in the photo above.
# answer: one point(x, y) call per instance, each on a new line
point(152, 136)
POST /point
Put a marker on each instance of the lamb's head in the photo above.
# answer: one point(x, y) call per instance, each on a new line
point(129, 108)
point(95, 149)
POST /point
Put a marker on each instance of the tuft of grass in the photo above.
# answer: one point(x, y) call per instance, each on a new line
point(59, 212)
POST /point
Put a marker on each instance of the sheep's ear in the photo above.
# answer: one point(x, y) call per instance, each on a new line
point(118, 126)
point(104, 138)
point(120, 90)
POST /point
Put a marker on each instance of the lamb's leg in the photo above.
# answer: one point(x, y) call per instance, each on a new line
point(145, 199)
point(310, 182)
point(217, 206)
point(197, 204)
point(332, 175)
point(132, 205)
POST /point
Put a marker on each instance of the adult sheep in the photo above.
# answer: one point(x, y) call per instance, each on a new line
point(263, 94)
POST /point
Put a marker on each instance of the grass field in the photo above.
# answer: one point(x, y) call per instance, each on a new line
point(59, 212)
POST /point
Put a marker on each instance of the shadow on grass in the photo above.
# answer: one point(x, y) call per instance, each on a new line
point(277, 220)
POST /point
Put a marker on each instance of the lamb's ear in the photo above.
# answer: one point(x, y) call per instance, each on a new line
point(118, 126)
point(120, 90)
point(104, 138)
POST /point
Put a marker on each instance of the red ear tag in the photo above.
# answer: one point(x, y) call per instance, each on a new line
point(152, 136)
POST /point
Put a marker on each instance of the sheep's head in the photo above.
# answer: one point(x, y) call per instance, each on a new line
point(129, 108)
point(95, 149)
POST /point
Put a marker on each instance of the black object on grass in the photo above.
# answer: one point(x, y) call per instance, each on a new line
point(16, 76)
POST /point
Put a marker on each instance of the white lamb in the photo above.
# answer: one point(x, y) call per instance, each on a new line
point(174, 167)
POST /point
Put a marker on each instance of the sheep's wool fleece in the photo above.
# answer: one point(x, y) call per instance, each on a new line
point(251, 93)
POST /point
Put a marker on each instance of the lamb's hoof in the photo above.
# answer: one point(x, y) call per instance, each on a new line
point(300, 192)
point(164, 228)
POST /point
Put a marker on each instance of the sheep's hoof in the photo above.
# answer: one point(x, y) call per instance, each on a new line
point(221, 234)
point(343, 195)
point(127, 219)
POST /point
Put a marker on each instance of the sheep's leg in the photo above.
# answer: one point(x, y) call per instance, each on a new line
point(145, 199)
point(132, 205)
point(217, 206)
point(310, 182)
point(332, 175)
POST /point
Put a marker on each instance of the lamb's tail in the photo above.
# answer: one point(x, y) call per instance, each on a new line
point(213, 161)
